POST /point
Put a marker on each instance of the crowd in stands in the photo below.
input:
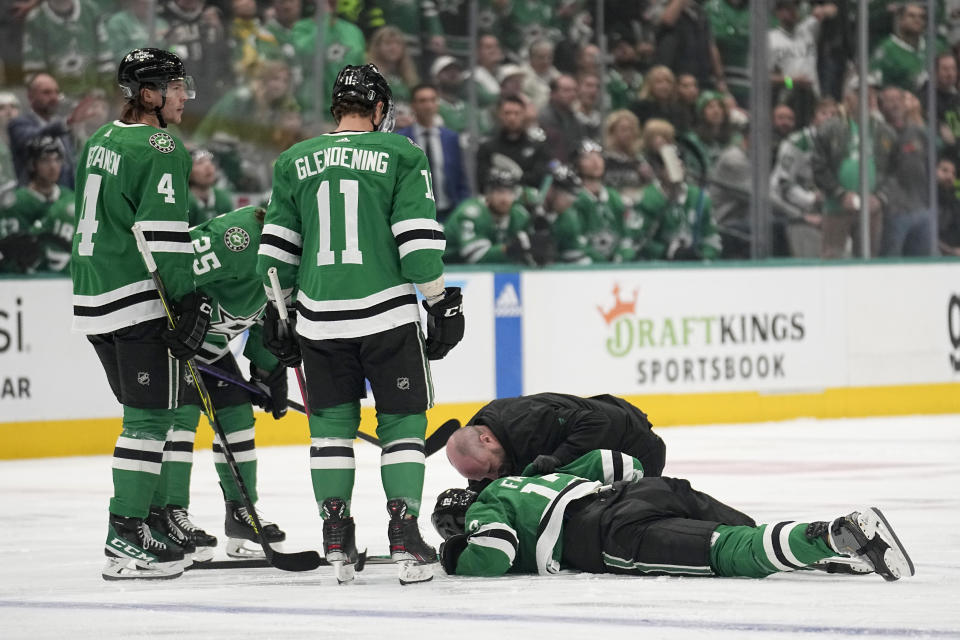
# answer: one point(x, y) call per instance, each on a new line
point(643, 155)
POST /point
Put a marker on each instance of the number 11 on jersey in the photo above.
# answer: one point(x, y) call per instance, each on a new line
point(350, 190)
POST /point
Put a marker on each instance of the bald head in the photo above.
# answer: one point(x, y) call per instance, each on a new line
point(476, 453)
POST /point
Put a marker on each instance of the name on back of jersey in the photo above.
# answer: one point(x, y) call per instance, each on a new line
point(346, 157)
point(104, 158)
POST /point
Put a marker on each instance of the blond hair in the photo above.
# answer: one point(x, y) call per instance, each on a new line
point(406, 68)
point(657, 70)
point(656, 127)
point(615, 118)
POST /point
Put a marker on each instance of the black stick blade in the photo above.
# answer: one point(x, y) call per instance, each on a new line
point(438, 439)
point(300, 561)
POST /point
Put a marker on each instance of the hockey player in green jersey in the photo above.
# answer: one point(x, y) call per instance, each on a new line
point(677, 219)
point(133, 171)
point(225, 271)
point(25, 220)
point(600, 515)
point(351, 229)
point(597, 227)
point(492, 228)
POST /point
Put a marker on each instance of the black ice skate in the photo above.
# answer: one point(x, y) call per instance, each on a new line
point(239, 528)
point(174, 523)
point(867, 536)
point(407, 548)
point(339, 540)
point(133, 552)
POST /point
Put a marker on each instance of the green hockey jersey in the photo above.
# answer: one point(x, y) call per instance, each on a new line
point(474, 235)
point(595, 229)
point(352, 226)
point(126, 174)
point(72, 48)
point(28, 208)
point(55, 233)
point(516, 523)
point(670, 224)
point(225, 268)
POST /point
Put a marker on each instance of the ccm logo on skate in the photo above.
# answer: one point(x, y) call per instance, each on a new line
point(129, 550)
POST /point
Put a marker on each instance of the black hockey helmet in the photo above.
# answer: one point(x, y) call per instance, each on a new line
point(449, 514)
point(153, 69)
point(40, 146)
point(364, 85)
point(500, 178)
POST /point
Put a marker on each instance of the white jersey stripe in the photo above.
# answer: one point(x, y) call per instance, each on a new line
point(400, 457)
point(128, 316)
point(239, 456)
point(415, 224)
point(331, 442)
point(179, 456)
point(164, 225)
point(416, 245)
point(283, 233)
point(113, 295)
point(390, 319)
point(356, 303)
point(768, 549)
point(331, 462)
point(494, 543)
point(181, 435)
point(606, 461)
point(785, 544)
point(139, 466)
point(279, 254)
point(140, 444)
point(163, 246)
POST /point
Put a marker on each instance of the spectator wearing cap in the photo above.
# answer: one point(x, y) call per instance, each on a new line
point(442, 148)
point(513, 140)
point(447, 74)
point(207, 199)
point(490, 228)
point(713, 131)
point(793, 57)
point(598, 227)
point(540, 73)
point(624, 79)
point(559, 121)
point(484, 76)
point(836, 172)
point(512, 77)
point(41, 119)
point(9, 109)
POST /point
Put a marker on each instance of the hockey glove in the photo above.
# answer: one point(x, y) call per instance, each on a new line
point(518, 249)
point(19, 253)
point(193, 319)
point(274, 385)
point(444, 323)
point(542, 465)
point(450, 552)
point(283, 345)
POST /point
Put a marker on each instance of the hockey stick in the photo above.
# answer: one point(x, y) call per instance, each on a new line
point(285, 326)
point(434, 442)
point(300, 561)
point(260, 563)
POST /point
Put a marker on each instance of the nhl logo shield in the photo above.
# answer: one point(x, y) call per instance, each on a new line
point(236, 239)
point(143, 378)
point(403, 384)
point(162, 142)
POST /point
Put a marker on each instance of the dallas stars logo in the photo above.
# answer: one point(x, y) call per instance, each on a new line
point(236, 239)
point(162, 142)
point(230, 325)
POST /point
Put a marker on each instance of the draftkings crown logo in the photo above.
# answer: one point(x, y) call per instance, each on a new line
point(620, 306)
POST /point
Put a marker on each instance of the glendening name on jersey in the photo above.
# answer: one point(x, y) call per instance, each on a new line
point(346, 157)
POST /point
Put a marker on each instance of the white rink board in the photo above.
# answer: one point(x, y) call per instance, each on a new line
point(692, 330)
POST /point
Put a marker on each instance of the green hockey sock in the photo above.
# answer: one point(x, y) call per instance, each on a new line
point(174, 485)
point(756, 552)
point(237, 422)
point(137, 460)
point(332, 465)
point(402, 457)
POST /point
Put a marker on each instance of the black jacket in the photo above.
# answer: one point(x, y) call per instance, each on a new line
point(567, 427)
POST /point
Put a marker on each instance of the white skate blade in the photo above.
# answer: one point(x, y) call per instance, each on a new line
point(412, 572)
point(244, 549)
point(130, 569)
point(896, 559)
point(344, 572)
point(203, 554)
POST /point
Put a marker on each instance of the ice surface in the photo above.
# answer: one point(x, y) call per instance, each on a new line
point(55, 513)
